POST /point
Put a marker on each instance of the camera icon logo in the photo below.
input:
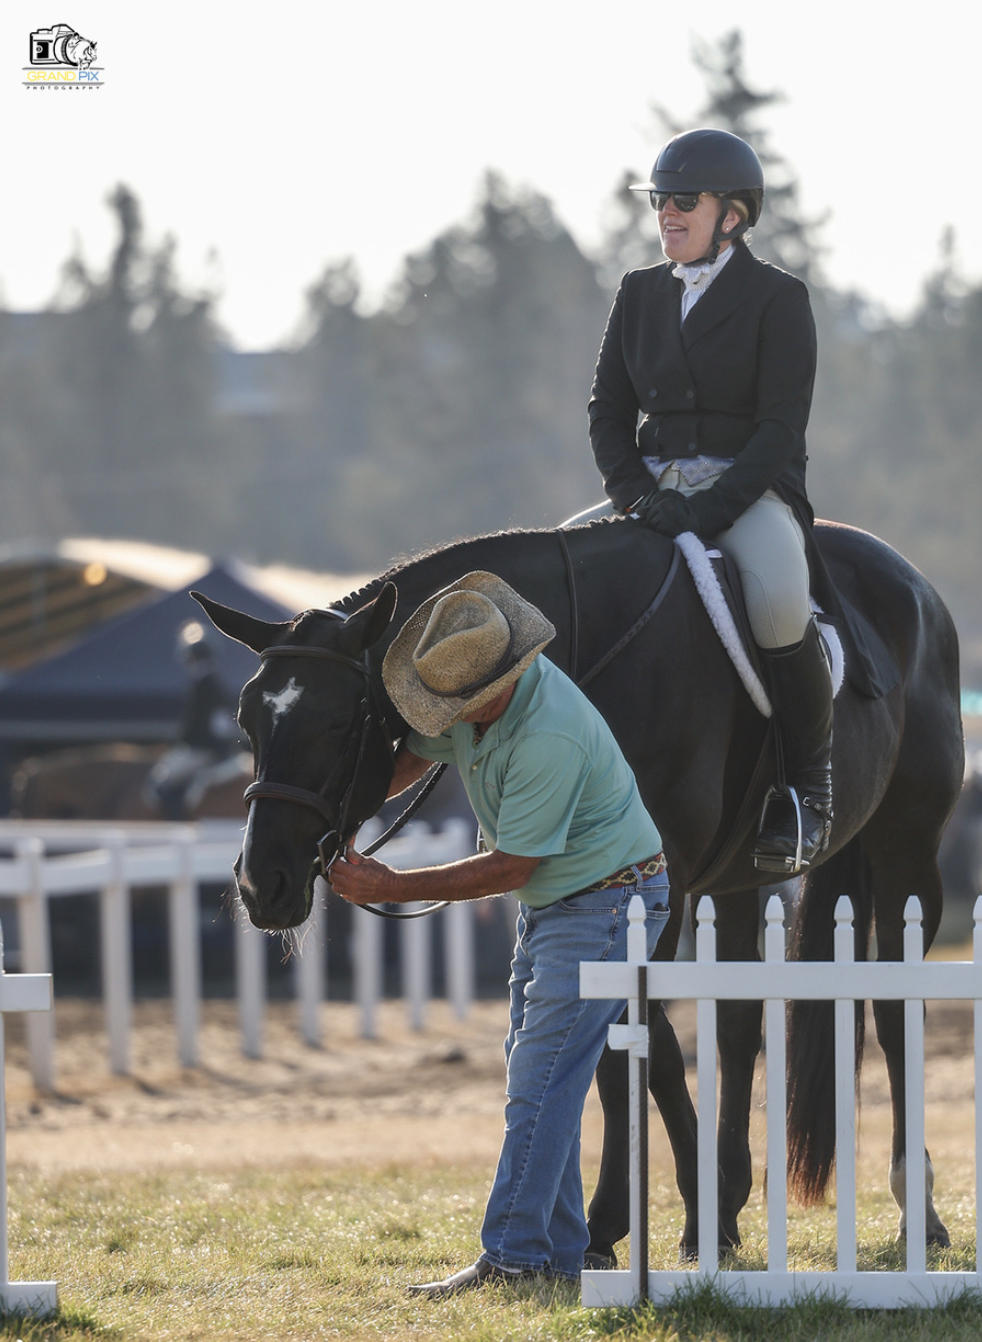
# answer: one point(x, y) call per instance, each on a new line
point(61, 45)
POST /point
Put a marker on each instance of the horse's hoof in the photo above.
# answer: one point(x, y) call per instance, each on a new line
point(594, 1261)
point(939, 1237)
point(689, 1253)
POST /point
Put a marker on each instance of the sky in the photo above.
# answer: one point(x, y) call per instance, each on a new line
point(270, 140)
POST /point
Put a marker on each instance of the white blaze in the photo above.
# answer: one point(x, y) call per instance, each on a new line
point(283, 700)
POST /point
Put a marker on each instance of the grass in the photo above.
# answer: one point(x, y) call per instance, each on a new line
point(307, 1254)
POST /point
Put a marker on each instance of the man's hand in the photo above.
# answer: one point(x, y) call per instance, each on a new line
point(362, 880)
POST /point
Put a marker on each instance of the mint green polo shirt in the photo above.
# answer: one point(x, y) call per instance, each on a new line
point(548, 780)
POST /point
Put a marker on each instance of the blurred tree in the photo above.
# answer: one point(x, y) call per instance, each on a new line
point(459, 406)
point(120, 405)
point(925, 397)
point(295, 459)
point(462, 398)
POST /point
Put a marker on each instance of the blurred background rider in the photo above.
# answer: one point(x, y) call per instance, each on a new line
point(209, 742)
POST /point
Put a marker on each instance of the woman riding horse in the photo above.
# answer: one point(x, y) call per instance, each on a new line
point(716, 352)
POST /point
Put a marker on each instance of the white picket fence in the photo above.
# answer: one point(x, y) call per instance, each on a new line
point(844, 981)
point(30, 993)
point(54, 860)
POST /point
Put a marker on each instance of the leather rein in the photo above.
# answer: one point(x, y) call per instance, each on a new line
point(372, 715)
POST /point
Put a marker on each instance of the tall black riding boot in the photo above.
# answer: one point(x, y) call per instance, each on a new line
point(797, 818)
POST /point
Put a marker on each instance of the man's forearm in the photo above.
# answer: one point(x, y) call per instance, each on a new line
point(365, 881)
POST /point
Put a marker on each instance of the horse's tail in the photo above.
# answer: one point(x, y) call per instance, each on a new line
point(811, 1044)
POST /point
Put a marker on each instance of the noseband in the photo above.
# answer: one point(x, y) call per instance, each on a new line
point(329, 844)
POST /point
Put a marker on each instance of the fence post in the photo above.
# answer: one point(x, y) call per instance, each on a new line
point(308, 968)
point(250, 984)
point(366, 947)
point(633, 1037)
point(185, 953)
point(776, 1090)
point(458, 950)
point(117, 961)
point(707, 1197)
point(35, 940)
point(416, 967)
point(916, 1201)
point(30, 993)
point(844, 1025)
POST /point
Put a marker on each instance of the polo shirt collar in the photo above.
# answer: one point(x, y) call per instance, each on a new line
point(502, 728)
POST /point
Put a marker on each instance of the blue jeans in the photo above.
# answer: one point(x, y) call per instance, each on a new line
point(535, 1217)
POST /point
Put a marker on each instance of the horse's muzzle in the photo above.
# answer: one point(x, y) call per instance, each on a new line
point(277, 906)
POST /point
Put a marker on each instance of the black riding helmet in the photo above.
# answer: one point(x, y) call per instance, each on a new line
point(713, 161)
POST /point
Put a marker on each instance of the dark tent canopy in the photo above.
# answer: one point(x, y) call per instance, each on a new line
point(125, 682)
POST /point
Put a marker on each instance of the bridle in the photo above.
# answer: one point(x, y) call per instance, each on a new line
point(372, 715)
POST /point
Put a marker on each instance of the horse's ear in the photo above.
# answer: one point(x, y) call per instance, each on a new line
point(254, 633)
point(377, 615)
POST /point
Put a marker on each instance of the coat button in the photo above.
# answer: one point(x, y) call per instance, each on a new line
point(653, 392)
point(690, 395)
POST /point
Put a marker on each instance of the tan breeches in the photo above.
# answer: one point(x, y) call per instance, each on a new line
point(768, 548)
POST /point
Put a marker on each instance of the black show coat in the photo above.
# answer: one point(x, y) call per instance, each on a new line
point(734, 380)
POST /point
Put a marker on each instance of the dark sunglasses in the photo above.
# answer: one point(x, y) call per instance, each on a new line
point(686, 201)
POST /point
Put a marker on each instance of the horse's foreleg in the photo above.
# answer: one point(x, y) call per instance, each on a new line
point(889, 1018)
point(900, 868)
point(738, 1036)
point(608, 1216)
point(667, 1083)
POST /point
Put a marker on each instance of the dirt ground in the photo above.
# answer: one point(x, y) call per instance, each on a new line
point(427, 1095)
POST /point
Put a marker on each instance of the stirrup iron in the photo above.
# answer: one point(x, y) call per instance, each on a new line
point(780, 798)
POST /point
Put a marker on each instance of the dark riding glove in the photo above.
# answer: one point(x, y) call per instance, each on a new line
point(670, 513)
point(667, 512)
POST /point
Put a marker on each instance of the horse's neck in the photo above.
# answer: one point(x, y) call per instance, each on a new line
point(599, 582)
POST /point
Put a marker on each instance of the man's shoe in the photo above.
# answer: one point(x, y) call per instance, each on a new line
point(480, 1273)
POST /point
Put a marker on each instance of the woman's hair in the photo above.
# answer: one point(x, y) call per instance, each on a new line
point(740, 233)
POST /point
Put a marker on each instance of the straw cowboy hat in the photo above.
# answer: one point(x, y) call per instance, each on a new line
point(461, 649)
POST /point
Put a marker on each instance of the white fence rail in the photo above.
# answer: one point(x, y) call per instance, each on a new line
point(53, 860)
point(776, 982)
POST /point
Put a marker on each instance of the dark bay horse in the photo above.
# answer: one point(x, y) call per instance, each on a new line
point(632, 629)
